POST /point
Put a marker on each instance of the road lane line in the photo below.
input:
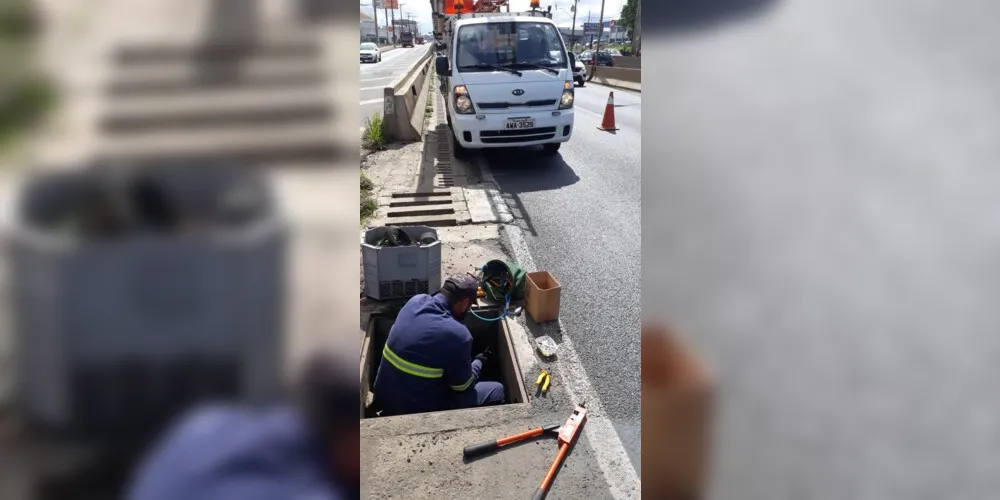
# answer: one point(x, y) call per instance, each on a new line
point(621, 477)
point(371, 101)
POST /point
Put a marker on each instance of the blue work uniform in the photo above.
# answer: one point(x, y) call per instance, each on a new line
point(224, 453)
point(427, 362)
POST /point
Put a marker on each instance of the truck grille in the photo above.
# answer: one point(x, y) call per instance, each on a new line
point(507, 136)
point(506, 105)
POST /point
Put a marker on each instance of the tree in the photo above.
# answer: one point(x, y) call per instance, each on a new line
point(627, 16)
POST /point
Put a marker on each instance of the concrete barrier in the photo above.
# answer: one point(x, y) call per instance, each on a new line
point(404, 101)
point(623, 78)
point(627, 61)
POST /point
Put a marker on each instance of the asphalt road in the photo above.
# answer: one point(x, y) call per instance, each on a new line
point(821, 220)
point(580, 212)
point(376, 76)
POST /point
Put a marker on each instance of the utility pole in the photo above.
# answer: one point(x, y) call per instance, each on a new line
point(375, 15)
point(600, 31)
point(637, 29)
point(385, 17)
point(591, 45)
point(573, 36)
point(392, 12)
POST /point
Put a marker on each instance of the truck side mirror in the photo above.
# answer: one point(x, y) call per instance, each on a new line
point(441, 66)
point(572, 60)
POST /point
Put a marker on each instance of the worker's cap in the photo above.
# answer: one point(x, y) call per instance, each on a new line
point(462, 286)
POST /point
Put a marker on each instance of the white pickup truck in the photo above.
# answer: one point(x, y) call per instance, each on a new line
point(509, 82)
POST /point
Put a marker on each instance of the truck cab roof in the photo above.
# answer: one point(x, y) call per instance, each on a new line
point(502, 18)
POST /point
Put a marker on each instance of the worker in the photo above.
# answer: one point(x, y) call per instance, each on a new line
point(427, 363)
point(304, 448)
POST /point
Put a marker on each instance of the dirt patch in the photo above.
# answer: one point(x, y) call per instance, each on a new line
point(464, 249)
point(393, 169)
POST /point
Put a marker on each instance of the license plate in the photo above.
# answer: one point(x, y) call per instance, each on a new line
point(520, 123)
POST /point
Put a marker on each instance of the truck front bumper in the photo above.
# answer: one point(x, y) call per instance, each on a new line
point(479, 131)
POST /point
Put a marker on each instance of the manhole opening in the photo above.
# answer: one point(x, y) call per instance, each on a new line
point(503, 367)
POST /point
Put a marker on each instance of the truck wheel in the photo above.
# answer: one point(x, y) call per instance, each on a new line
point(551, 148)
point(460, 152)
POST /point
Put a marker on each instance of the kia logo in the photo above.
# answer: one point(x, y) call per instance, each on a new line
point(518, 92)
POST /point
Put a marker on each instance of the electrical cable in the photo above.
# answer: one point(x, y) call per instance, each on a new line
point(506, 285)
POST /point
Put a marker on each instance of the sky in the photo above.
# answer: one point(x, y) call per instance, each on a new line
point(420, 10)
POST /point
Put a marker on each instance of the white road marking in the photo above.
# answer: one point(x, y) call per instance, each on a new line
point(621, 477)
point(371, 101)
point(377, 79)
point(371, 88)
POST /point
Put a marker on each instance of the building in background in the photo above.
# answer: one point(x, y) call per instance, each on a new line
point(368, 30)
point(573, 37)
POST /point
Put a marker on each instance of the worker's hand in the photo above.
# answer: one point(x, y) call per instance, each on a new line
point(483, 356)
point(677, 396)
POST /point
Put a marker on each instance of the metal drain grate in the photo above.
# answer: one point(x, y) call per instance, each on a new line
point(429, 208)
point(444, 176)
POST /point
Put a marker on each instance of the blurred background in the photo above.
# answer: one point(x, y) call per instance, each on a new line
point(176, 192)
point(821, 225)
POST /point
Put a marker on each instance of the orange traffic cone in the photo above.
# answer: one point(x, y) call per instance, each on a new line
point(608, 123)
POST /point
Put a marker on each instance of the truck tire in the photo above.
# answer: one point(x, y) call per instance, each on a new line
point(460, 152)
point(551, 148)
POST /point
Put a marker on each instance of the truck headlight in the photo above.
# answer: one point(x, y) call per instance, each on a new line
point(463, 103)
point(566, 101)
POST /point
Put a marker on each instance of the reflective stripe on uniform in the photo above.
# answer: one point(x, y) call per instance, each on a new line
point(410, 368)
point(464, 386)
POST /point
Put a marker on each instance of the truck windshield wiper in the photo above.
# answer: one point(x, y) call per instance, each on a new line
point(491, 66)
point(538, 66)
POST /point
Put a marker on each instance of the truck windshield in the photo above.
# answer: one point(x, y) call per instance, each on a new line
point(521, 45)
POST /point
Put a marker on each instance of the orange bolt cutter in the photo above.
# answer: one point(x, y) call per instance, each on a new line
point(566, 433)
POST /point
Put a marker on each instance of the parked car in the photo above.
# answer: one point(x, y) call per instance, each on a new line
point(579, 72)
point(370, 53)
point(614, 52)
point(603, 59)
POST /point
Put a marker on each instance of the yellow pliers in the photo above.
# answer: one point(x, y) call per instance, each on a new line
point(543, 381)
